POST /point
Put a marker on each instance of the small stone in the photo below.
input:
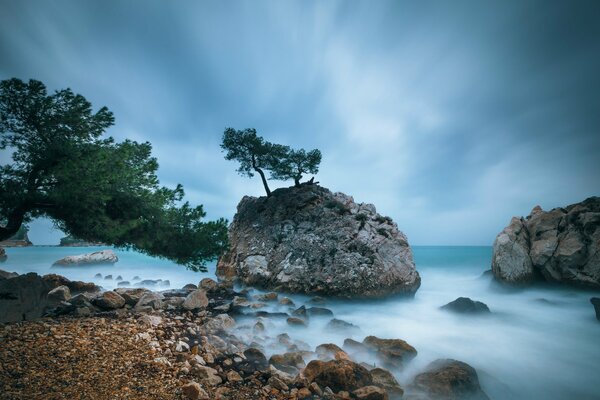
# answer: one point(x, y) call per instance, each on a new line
point(286, 301)
point(277, 383)
point(61, 293)
point(109, 301)
point(196, 300)
point(193, 391)
point(294, 321)
point(233, 376)
point(182, 347)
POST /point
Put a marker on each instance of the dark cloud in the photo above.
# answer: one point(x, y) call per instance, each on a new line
point(449, 116)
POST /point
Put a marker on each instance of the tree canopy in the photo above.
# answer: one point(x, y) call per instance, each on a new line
point(92, 187)
point(258, 155)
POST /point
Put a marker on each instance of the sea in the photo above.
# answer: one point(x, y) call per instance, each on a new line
point(540, 342)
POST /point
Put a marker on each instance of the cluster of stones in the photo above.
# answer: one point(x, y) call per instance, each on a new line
point(194, 332)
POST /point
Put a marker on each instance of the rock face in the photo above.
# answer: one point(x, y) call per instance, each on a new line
point(449, 380)
point(98, 257)
point(560, 245)
point(24, 297)
point(309, 240)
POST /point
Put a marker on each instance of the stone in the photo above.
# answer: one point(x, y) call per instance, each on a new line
point(219, 323)
point(596, 303)
point(108, 277)
point(189, 287)
point(338, 374)
point(288, 362)
point(271, 296)
point(338, 325)
point(277, 383)
point(193, 391)
point(370, 393)
point(124, 283)
point(150, 300)
point(23, 298)
point(286, 301)
point(384, 379)
point(254, 360)
point(464, 305)
point(98, 257)
point(294, 321)
point(152, 320)
point(561, 245)
point(449, 380)
point(109, 301)
point(309, 240)
point(6, 274)
point(60, 293)
point(207, 374)
point(131, 295)
point(3, 256)
point(392, 352)
point(196, 300)
point(328, 351)
point(319, 311)
point(54, 280)
point(233, 376)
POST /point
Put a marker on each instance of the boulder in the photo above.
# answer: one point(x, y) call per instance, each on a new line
point(295, 321)
point(193, 391)
point(54, 280)
point(7, 275)
point(196, 300)
point(288, 362)
point(392, 352)
point(561, 245)
point(131, 295)
point(449, 380)
point(254, 360)
point(338, 374)
point(309, 240)
point(465, 305)
point(339, 325)
point(384, 379)
point(149, 301)
point(596, 303)
point(24, 297)
point(61, 293)
point(109, 301)
point(330, 351)
point(219, 323)
point(98, 257)
point(370, 393)
point(319, 311)
point(208, 284)
point(3, 256)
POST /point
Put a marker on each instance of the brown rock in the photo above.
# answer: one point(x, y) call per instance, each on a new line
point(303, 393)
point(393, 352)
point(131, 295)
point(338, 374)
point(294, 321)
point(109, 301)
point(196, 300)
point(370, 393)
point(449, 380)
point(194, 391)
point(384, 379)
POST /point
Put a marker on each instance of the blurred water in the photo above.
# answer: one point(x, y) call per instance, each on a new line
point(539, 343)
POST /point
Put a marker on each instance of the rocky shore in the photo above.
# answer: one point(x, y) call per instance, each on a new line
point(204, 341)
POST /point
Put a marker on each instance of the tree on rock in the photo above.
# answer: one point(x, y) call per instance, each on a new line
point(295, 164)
point(258, 155)
point(92, 188)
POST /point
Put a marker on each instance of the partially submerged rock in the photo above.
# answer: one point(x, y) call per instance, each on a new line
point(391, 352)
point(449, 380)
point(309, 240)
point(338, 374)
point(98, 257)
point(464, 305)
point(560, 245)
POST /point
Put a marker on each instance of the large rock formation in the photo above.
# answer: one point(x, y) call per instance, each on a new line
point(309, 240)
point(560, 245)
point(19, 239)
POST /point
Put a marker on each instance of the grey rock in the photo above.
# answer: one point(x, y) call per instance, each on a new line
point(109, 301)
point(61, 293)
point(7, 275)
point(449, 380)
point(465, 305)
point(196, 300)
point(561, 245)
point(98, 257)
point(150, 300)
point(309, 240)
point(3, 256)
point(24, 297)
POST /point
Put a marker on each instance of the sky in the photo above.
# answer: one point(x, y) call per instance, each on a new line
point(449, 116)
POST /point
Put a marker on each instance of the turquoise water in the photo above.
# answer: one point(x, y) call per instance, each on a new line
point(539, 343)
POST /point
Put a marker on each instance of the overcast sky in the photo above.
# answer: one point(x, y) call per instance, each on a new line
point(449, 116)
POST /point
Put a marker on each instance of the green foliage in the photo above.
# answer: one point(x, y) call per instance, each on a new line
point(362, 218)
point(258, 155)
point(338, 207)
point(383, 220)
point(383, 232)
point(93, 188)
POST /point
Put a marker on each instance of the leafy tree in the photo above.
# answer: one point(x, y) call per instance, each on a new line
point(92, 188)
point(295, 164)
point(258, 155)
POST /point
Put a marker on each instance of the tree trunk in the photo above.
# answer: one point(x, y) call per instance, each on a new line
point(264, 180)
point(297, 182)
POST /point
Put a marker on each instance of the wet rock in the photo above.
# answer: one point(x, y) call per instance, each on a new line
point(300, 312)
point(149, 282)
point(286, 301)
point(3, 256)
point(208, 284)
point(561, 245)
point(449, 380)
point(271, 296)
point(255, 361)
point(124, 283)
point(288, 362)
point(352, 346)
point(294, 321)
point(370, 393)
point(335, 241)
point(109, 301)
point(196, 300)
point(596, 303)
point(131, 295)
point(219, 323)
point(61, 293)
point(189, 287)
point(136, 278)
point(7, 275)
point(54, 280)
point(319, 311)
point(267, 314)
point(98, 257)
point(98, 275)
point(338, 325)
point(392, 352)
point(108, 277)
point(465, 305)
point(384, 379)
point(328, 351)
point(338, 374)
point(119, 278)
